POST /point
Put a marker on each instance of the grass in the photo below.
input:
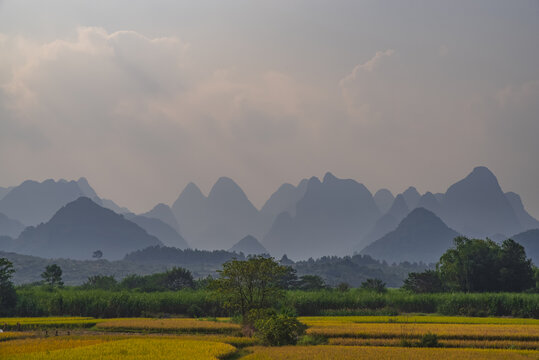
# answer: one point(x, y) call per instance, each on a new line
point(169, 325)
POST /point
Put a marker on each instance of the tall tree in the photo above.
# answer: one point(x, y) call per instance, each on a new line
point(253, 284)
point(53, 276)
point(8, 296)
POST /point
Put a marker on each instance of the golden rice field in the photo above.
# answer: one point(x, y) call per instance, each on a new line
point(425, 319)
point(479, 344)
point(444, 331)
point(39, 322)
point(136, 349)
point(169, 325)
point(354, 337)
point(323, 352)
point(10, 335)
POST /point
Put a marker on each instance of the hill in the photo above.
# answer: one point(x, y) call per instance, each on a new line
point(421, 236)
point(80, 228)
point(164, 213)
point(155, 227)
point(329, 219)
point(10, 227)
point(249, 245)
point(216, 221)
point(530, 240)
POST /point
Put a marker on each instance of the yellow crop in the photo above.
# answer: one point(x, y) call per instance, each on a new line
point(324, 352)
point(481, 344)
point(35, 345)
point(9, 335)
point(169, 325)
point(41, 322)
point(135, 349)
point(427, 319)
point(445, 331)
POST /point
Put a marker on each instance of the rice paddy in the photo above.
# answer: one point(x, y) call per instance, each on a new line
point(352, 337)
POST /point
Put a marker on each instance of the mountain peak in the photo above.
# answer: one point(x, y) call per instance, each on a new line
point(225, 185)
point(249, 245)
point(329, 177)
point(412, 196)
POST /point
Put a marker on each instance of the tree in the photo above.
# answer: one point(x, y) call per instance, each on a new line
point(343, 287)
point(53, 276)
point(178, 278)
point(375, 285)
point(476, 265)
point(423, 282)
point(311, 282)
point(98, 254)
point(516, 272)
point(100, 282)
point(251, 284)
point(8, 295)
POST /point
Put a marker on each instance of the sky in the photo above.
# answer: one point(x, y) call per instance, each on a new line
point(143, 97)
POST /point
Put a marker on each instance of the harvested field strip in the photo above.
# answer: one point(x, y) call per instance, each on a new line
point(36, 345)
point(9, 335)
point(46, 322)
point(135, 349)
point(324, 352)
point(479, 344)
point(444, 331)
point(427, 319)
point(169, 326)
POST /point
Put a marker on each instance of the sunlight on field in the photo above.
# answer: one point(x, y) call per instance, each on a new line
point(380, 353)
point(427, 319)
point(138, 349)
point(40, 322)
point(168, 325)
point(446, 331)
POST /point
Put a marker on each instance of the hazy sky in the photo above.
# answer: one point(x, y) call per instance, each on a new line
point(142, 97)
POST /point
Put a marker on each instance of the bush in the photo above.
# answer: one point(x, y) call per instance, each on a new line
point(429, 340)
point(313, 340)
point(343, 287)
point(375, 285)
point(278, 330)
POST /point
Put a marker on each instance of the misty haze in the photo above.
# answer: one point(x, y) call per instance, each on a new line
point(269, 179)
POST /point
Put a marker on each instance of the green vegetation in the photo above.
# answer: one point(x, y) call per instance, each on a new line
point(476, 265)
point(52, 276)
point(8, 296)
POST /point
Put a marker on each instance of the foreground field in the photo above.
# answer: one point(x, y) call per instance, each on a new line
point(377, 353)
point(353, 337)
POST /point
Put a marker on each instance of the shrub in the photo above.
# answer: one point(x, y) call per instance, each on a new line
point(313, 340)
point(375, 285)
point(278, 330)
point(429, 340)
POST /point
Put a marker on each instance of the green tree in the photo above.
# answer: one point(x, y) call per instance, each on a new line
point(476, 265)
point(178, 278)
point(251, 284)
point(375, 285)
point(311, 283)
point(100, 282)
point(8, 296)
point(53, 276)
point(423, 282)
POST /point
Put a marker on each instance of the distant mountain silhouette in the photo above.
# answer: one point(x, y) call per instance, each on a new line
point(428, 201)
point(10, 227)
point(530, 240)
point(164, 213)
point(388, 222)
point(283, 200)
point(412, 196)
point(216, 221)
point(384, 199)
point(249, 245)
point(155, 227)
point(329, 220)
point(4, 191)
point(421, 236)
point(81, 227)
point(526, 220)
point(32, 202)
point(477, 207)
